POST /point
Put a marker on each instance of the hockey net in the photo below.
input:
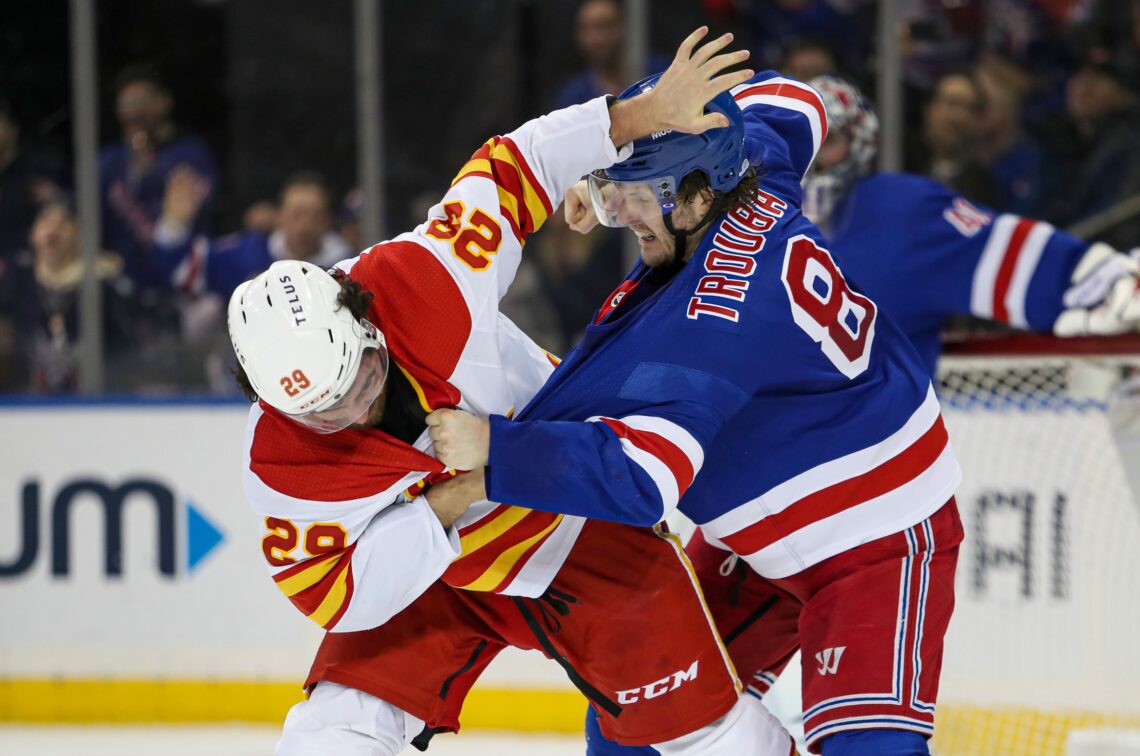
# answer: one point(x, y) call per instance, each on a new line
point(1043, 653)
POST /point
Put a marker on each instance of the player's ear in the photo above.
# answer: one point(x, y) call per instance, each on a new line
point(702, 201)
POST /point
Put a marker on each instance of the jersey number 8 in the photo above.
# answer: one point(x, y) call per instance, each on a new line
point(839, 319)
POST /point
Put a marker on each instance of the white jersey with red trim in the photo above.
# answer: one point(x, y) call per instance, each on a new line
point(344, 509)
point(756, 388)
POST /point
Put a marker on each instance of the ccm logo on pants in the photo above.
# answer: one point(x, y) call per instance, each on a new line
point(659, 687)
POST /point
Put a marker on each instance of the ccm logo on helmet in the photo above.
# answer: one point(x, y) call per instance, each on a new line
point(294, 301)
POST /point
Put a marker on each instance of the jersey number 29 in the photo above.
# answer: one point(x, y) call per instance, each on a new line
point(839, 319)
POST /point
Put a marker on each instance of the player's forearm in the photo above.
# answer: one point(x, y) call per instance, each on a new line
point(570, 468)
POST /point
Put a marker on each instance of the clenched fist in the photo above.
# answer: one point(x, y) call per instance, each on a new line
point(462, 441)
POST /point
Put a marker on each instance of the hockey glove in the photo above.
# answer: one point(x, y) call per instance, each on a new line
point(1105, 296)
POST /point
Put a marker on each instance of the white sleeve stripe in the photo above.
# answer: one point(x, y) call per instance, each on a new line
point(985, 274)
point(1015, 299)
point(829, 473)
point(674, 433)
point(789, 103)
point(657, 470)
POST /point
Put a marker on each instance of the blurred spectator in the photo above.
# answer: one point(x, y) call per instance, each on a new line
point(44, 305)
point(1103, 165)
point(27, 179)
point(1013, 159)
point(939, 37)
point(260, 216)
point(842, 27)
point(808, 59)
point(134, 171)
point(599, 34)
point(945, 148)
point(196, 264)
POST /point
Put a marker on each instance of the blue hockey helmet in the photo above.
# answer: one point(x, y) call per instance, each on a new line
point(647, 181)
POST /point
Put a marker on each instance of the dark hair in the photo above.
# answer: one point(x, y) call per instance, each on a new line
point(307, 178)
point(141, 73)
point(352, 295)
point(744, 193)
point(811, 43)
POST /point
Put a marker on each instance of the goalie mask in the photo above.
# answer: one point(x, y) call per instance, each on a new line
point(849, 152)
point(304, 353)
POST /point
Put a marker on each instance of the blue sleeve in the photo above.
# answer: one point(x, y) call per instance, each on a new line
point(172, 259)
point(194, 153)
point(232, 259)
point(634, 464)
point(1001, 267)
point(784, 125)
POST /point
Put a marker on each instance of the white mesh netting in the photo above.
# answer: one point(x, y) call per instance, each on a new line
point(1046, 634)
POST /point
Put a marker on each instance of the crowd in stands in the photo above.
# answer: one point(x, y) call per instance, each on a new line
point(1028, 106)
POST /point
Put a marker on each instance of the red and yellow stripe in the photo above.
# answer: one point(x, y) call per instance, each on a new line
point(320, 587)
point(497, 547)
point(521, 197)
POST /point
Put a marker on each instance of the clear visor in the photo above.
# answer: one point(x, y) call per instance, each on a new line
point(625, 203)
point(355, 404)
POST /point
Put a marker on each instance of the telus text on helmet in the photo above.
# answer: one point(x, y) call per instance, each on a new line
point(730, 262)
point(296, 308)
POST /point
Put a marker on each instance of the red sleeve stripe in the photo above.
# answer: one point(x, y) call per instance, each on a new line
point(791, 95)
point(485, 566)
point(535, 186)
point(829, 501)
point(522, 199)
point(654, 443)
point(1005, 268)
point(326, 600)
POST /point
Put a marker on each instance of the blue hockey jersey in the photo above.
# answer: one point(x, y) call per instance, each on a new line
point(925, 253)
point(198, 264)
point(757, 388)
point(132, 200)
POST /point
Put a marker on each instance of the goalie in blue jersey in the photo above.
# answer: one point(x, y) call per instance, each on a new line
point(926, 253)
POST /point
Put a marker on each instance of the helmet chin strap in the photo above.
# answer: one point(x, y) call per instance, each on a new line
point(681, 237)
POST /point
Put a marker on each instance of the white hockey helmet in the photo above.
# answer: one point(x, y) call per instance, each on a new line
point(302, 350)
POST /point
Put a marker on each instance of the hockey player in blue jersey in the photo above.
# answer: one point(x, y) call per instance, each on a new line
point(736, 373)
point(926, 253)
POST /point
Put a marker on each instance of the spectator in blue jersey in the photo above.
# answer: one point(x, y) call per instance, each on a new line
point(133, 172)
point(926, 253)
point(196, 264)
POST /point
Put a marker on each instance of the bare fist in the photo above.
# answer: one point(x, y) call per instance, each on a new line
point(461, 440)
point(579, 210)
point(449, 499)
